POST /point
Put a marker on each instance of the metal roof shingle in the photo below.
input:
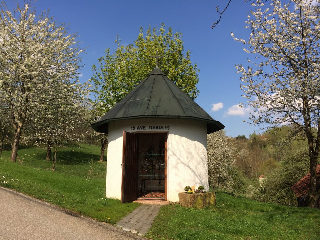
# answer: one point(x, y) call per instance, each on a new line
point(157, 97)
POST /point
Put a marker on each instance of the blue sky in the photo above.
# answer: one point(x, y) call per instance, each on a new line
point(98, 22)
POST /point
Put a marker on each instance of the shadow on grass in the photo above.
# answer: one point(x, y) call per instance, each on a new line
point(68, 157)
point(76, 157)
point(270, 210)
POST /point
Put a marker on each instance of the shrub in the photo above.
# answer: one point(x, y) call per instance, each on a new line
point(277, 186)
point(221, 158)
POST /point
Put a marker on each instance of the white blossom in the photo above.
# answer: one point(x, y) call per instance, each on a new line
point(221, 157)
point(39, 62)
point(282, 82)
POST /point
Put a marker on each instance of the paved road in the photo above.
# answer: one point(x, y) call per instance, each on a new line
point(22, 217)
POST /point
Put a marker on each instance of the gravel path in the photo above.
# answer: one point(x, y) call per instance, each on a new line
point(23, 217)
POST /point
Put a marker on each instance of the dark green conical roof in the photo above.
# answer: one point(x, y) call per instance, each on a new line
point(157, 97)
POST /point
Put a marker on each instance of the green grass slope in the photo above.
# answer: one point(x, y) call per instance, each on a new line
point(78, 184)
point(237, 218)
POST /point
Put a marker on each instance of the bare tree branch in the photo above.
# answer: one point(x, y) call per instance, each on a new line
point(220, 14)
point(225, 8)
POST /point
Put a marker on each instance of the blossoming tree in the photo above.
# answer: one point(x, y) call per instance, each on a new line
point(281, 82)
point(34, 51)
point(221, 157)
point(60, 118)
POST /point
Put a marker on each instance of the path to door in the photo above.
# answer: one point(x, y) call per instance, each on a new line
point(23, 217)
point(141, 219)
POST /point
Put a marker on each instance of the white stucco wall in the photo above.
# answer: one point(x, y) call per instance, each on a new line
point(186, 154)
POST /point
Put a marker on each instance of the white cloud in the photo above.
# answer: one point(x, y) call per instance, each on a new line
point(309, 2)
point(217, 106)
point(236, 110)
point(313, 2)
point(80, 75)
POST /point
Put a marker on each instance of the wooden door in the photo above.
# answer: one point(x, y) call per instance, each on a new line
point(129, 168)
point(151, 165)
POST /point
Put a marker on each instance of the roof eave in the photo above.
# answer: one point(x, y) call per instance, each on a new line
point(212, 125)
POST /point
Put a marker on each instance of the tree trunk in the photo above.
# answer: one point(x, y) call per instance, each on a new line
point(104, 143)
point(54, 159)
point(15, 144)
point(313, 148)
point(314, 192)
point(2, 140)
point(48, 150)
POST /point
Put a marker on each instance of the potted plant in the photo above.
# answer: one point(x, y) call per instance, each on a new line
point(198, 198)
point(187, 189)
point(200, 190)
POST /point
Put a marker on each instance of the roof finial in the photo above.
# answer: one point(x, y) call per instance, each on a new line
point(157, 59)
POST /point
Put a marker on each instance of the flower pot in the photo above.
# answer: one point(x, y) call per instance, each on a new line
point(197, 200)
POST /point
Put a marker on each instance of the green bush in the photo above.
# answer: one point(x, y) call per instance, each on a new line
point(238, 181)
point(277, 186)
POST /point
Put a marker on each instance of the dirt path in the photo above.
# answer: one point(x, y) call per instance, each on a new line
point(23, 217)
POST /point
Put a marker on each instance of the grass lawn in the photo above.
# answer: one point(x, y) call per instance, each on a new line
point(237, 218)
point(78, 184)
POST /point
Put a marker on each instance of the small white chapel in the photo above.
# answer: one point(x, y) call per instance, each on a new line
point(157, 142)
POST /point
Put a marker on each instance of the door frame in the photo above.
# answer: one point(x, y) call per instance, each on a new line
point(125, 152)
